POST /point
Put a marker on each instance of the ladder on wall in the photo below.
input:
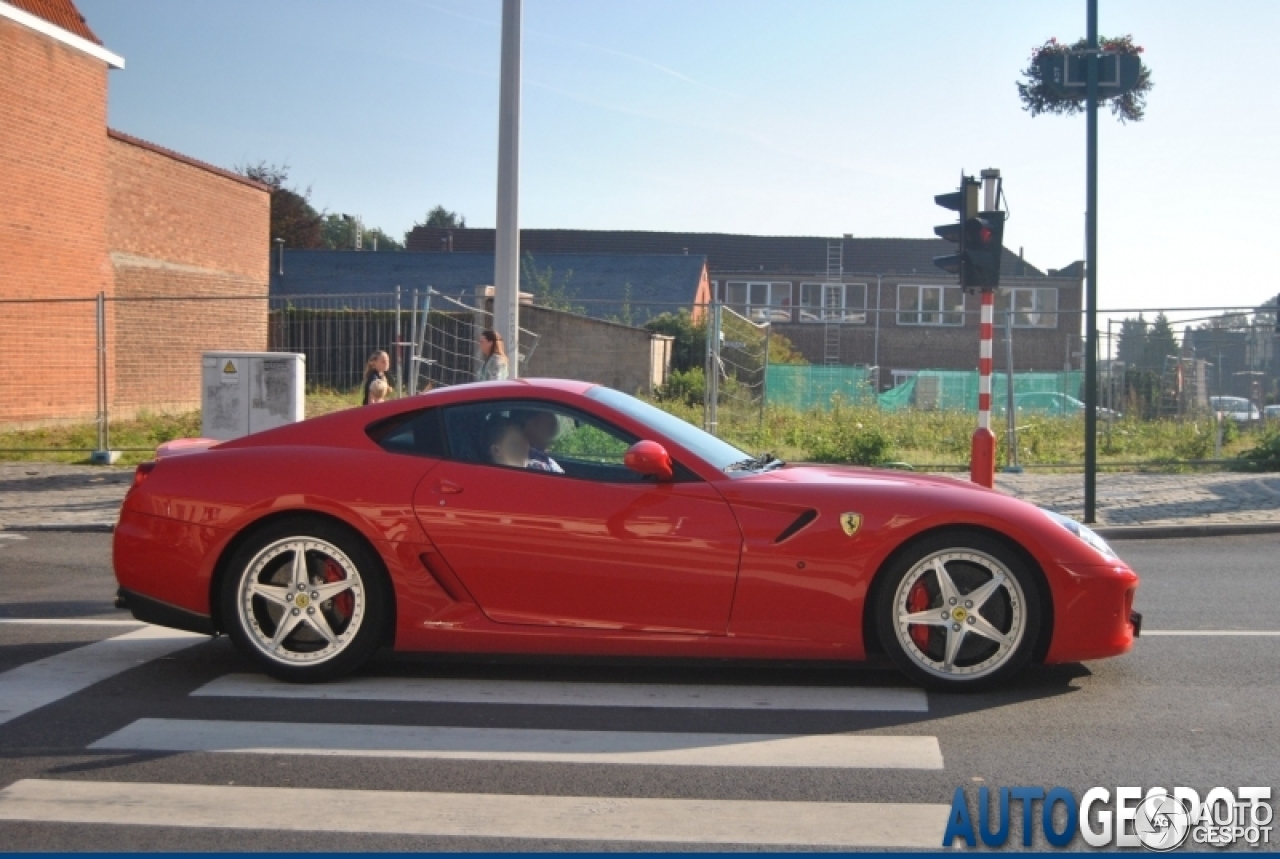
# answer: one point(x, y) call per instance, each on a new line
point(832, 304)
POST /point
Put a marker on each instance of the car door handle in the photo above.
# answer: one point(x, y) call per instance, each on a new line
point(448, 487)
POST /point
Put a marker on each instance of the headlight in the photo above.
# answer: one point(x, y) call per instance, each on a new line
point(1082, 531)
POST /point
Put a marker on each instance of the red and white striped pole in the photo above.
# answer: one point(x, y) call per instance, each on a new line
point(982, 453)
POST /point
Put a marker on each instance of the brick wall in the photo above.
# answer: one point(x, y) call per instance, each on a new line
point(53, 106)
point(189, 248)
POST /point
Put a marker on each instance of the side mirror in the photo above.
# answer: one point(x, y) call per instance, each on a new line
point(650, 459)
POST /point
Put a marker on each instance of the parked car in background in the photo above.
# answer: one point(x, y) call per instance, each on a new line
point(1053, 403)
point(1271, 413)
point(1238, 409)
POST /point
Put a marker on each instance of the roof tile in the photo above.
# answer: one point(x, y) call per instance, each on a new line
point(61, 13)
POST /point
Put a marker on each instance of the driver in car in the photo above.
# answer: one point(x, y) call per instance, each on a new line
point(541, 429)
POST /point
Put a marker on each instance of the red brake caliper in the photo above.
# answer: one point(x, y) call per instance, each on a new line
point(918, 600)
point(344, 602)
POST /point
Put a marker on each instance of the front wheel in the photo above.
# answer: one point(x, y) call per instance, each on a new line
point(958, 612)
point(305, 599)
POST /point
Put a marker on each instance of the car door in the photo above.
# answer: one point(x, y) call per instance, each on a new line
point(595, 547)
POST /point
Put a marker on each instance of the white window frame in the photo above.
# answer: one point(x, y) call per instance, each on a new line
point(842, 309)
point(932, 318)
point(762, 300)
point(1043, 310)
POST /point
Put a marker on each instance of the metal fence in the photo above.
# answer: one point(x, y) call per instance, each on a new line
point(99, 361)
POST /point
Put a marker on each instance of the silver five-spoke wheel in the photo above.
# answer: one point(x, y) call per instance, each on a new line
point(307, 598)
point(956, 613)
point(301, 600)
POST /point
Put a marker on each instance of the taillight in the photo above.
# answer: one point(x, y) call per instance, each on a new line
point(140, 473)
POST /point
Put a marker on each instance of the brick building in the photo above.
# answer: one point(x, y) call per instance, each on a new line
point(91, 211)
point(878, 302)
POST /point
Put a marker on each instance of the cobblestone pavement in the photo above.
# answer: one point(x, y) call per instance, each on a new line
point(42, 496)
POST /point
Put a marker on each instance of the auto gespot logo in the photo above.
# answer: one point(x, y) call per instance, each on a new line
point(1157, 819)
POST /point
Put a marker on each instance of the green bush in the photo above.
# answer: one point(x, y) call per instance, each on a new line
point(852, 443)
point(1265, 453)
point(687, 387)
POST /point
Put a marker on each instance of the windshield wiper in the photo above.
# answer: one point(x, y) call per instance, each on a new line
point(769, 462)
point(763, 462)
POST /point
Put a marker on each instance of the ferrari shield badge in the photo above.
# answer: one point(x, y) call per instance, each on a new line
point(850, 522)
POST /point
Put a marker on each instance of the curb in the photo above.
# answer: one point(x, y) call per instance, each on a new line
point(1170, 532)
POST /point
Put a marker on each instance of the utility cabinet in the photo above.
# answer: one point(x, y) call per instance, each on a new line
point(247, 392)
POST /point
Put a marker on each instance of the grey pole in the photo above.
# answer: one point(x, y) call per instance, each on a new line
point(506, 264)
point(1091, 277)
point(1010, 410)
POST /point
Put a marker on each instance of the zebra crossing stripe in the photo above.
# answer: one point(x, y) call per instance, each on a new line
point(40, 683)
point(559, 818)
point(469, 691)
point(844, 751)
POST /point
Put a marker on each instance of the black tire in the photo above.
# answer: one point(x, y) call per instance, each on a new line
point(958, 643)
point(330, 630)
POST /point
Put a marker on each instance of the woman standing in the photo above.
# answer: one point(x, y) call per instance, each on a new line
point(375, 384)
point(494, 353)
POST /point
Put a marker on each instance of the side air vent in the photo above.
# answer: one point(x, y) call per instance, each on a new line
point(801, 521)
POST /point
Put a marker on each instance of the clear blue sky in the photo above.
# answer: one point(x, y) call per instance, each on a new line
point(790, 118)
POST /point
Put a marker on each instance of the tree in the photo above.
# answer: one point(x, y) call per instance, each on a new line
point(376, 238)
point(340, 234)
point(548, 291)
point(1131, 349)
point(293, 218)
point(1161, 343)
point(690, 347)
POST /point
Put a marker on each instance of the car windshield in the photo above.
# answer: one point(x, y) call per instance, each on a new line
point(715, 452)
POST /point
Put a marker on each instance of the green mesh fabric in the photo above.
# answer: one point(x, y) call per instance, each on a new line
point(806, 386)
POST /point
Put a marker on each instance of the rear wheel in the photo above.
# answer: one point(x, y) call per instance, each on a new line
point(306, 599)
point(958, 612)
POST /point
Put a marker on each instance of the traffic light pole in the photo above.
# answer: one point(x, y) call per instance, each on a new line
point(1091, 275)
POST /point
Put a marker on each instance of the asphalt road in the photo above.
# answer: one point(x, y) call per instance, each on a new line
point(1191, 710)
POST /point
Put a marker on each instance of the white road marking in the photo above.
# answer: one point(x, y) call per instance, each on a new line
point(841, 698)
point(841, 751)
point(1210, 632)
point(37, 684)
point(568, 818)
point(67, 621)
point(4, 535)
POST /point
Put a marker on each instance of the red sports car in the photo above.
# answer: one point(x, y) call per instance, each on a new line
point(558, 517)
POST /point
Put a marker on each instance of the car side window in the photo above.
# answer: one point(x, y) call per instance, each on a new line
point(415, 433)
point(540, 436)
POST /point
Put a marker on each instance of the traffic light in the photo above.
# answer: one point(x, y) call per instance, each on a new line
point(983, 236)
point(964, 201)
point(978, 237)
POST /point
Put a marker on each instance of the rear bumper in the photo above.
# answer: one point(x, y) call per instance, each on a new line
point(150, 610)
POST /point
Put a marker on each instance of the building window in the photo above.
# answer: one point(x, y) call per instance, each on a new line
point(833, 302)
point(1032, 307)
point(930, 305)
point(759, 301)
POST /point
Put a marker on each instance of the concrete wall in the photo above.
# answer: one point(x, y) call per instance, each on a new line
point(592, 350)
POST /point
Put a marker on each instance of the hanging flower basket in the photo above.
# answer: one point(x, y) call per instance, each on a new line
point(1055, 78)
